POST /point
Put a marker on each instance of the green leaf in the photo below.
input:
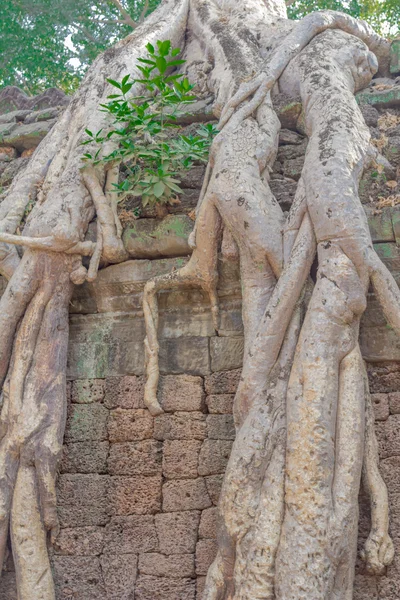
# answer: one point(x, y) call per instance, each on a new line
point(114, 83)
point(158, 189)
point(150, 48)
point(161, 64)
point(175, 51)
point(164, 47)
point(175, 63)
point(124, 80)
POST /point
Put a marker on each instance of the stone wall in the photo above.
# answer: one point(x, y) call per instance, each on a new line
point(137, 495)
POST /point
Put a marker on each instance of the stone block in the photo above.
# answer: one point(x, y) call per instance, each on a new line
point(380, 403)
point(386, 98)
point(388, 589)
point(12, 169)
point(82, 500)
point(7, 154)
point(288, 110)
point(225, 382)
point(185, 494)
point(180, 459)
point(193, 178)
point(5, 130)
point(130, 535)
point(119, 574)
point(293, 168)
point(159, 565)
point(177, 531)
point(135, 458)
point(180, 426)
point(394, 403)
point(159, 238)
point(206, 551)
point(208, 523)
point(370, 114)
point(149, 587)
point(380, 225)
point(185, 355)
point(78, 577)
point(85, 457)
point(214, 456)
point(129, 425)
point(124, 392)
point(181, 393)
point(80, 541)
point(284, 189)
point(16, 116)
point(28, 136)
point(86, 391)
point(384, 378)
point(200, 585)
point(395, 56)
point(8, 587)
point(221, 427)
point(390, 470)
point(86, 422)
point(134, 495)
point(220, 403)
point(226, 353)
point(365, 588)
point(43, 115)
point(388, 434)
point(214, 485)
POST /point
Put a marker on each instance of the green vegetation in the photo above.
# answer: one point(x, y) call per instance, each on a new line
point(153, 154)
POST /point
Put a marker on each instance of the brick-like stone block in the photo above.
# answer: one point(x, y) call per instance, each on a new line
point(134, 495)
point(124, 392)
point(390, 470)
point(182, 393)
point(384, 378)
point(380, 403)
point(175, 565)
point(206, 551)
point(177, 531)
point(221, 427)
point(82, 500)
point(200, 585)
point(130, 535)
point(164, 588)
point(80, 541)
point(86, 423)
point(365, 588)
point(214, 456)
point(214, 485)
point(177, 355)
point(180, 426)
point(78, 577)
point(180, 458)
point(135, 458)
point(119, 573)
point(220, 403)
point(226, 353)
point(86, 391)
point(8, 587)
point(85, 457)
point(388, 434)
point(130, 425)
point(186, 494)
point(208, 523)
point(224, 382)
point(394, 403)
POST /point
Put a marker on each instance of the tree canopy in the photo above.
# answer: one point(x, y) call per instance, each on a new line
point(45, 43)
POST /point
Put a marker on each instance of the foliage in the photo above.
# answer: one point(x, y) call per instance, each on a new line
point(153, 156)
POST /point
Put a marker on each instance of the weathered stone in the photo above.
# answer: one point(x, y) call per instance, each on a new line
point(225, 382)
point(206, 551)
point(208, 523)
point(384, 378)
point(395, 56)
point(129, 425)
point(6, 130)
point(8, 587)
point(134, 495)
point(186, 494)
point(7, 154)
point(177, 356)
point(181, 393)
point(180, 426)
point(292, 151)
point(28, 136)
point(12, 169)
point(288, 110)
point(380, 402)
point(124, 392)
point(13, 98)
point(180, 458)
point(130, 535)
point(28, 153)
point(220, 403)
point(176, 565)
point(82, 500)
point(394, 403)
point(119, 574)
point(387, 98)
point(390, 470)
point(85, 457)
point(163, 588)
point(16, 116)
point(80, 541)
point(177, 531)
point(86, 422)
point(214, 485)
point(284, 189)
point(158, 238)
point(135, 458)
point(214, 456)
point(293, 168)
point(388, 434)
point(365, 588)
point(193, 178)
point(226, 353)
point(46, 114)
point(380, 225)
point(370, 114)
point(78, 577)
point(86, 391)
point(287, 137)
point(221, 427)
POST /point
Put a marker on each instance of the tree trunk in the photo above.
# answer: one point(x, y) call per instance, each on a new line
point(288, 509)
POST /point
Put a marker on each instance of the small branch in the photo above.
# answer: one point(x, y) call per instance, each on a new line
point(48, 243)
point(127, 18)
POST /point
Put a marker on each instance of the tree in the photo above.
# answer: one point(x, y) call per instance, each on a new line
point(288, 510)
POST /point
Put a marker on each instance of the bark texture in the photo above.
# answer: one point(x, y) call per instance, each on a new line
point(288, 510)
